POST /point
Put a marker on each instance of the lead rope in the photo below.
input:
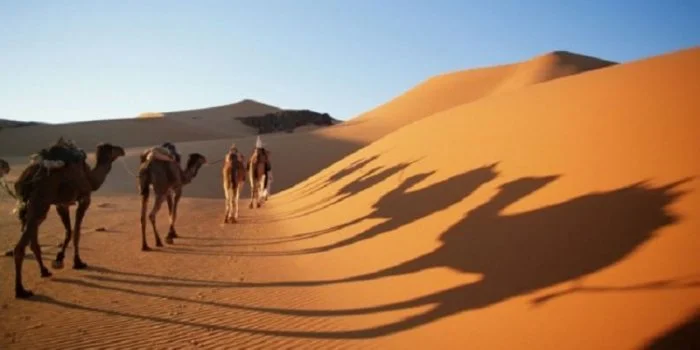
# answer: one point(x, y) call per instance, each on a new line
point(127, 168)
point(7, 189)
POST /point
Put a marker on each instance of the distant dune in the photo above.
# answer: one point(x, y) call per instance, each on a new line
point(7, 123)
point(149, 129)
point(222, 118)
point(127, 132)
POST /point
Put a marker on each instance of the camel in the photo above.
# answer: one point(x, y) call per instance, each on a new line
point(4, 168)
point(57, 176)
point(161, 170)
point(233, 174)
point(259, 168)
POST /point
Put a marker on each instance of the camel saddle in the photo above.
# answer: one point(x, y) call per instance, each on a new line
point(59, 155)
point(160, 153)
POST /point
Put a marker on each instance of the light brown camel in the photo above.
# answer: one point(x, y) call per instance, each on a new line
point(233, 174)
point(258, 168)
point(59, 176)
point(160, 170)
point(4, 170)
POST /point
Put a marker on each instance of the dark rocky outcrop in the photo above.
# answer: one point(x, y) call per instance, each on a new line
point(287, 120)
point(6, 124)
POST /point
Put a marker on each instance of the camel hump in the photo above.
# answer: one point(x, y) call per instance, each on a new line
point(160, 153)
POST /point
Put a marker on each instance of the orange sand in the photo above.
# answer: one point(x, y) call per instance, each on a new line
point(534, 205)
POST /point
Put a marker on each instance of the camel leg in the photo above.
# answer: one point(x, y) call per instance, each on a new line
point(36, 249)
point(144, 191)
point(144, 204)
point(172, 204)
point(160, 198)
point(31, 230)
point(259, 184)
point(64, 214)
point(23, 223)
point(227, 205)
point(256, 194)
point(20, 292)
point(263, 186)
point(252, 190)
point(83, 206)
point(236, 197)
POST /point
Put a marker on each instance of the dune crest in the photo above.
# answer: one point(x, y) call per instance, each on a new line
point(550, 66)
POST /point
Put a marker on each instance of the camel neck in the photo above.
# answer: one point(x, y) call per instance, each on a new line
point(98, 174)
point(189, 173)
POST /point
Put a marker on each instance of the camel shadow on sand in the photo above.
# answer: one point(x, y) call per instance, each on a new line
point(516, 254)
point(685, 335)
point(320, 184)
point(399, 207)
point(368, 180)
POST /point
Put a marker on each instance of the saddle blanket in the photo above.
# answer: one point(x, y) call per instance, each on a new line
point(160, 153)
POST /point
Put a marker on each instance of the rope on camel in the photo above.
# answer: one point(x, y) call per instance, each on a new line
point(7, 188)
point(127, 168)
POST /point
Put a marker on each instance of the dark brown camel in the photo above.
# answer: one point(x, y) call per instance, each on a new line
point(4, 168)
point(60, 177)
point(160, 171)
point(233, 175)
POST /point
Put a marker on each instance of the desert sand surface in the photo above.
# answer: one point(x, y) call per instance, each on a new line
point(545, 209)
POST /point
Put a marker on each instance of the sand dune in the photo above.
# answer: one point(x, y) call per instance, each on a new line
point(204, 124)
point(221, 118)
point(449, 90)
point(548, 67)
point(556, 213)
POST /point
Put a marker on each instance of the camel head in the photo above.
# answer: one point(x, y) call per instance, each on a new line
point(4, 168)
point(108, 153)
point(194, 162)
point(234, 154)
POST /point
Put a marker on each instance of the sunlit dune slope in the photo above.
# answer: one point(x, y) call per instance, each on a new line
point(448, 90)
point(562, 215)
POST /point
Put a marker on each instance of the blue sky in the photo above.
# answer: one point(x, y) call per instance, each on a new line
point(78, 60)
